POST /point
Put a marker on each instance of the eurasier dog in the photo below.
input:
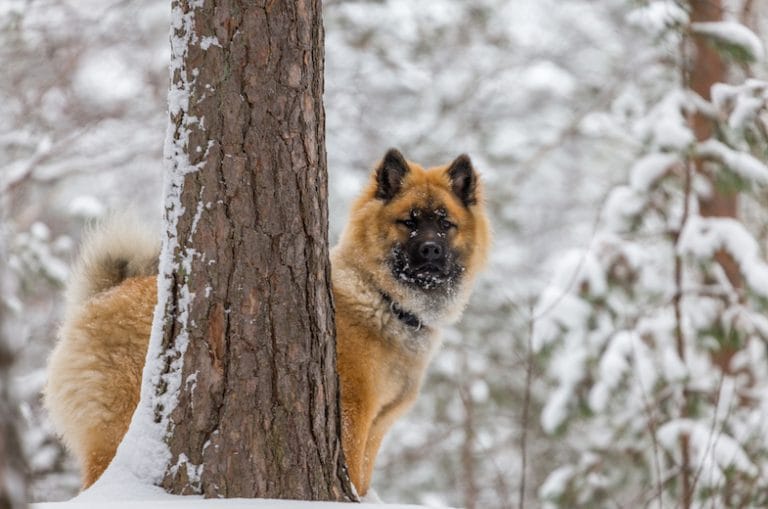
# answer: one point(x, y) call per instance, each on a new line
point(404, 267)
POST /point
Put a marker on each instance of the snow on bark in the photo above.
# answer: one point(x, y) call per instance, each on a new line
point(143, 455)
point(193, 502)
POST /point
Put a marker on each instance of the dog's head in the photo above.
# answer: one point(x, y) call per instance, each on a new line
point(422, 231)
point(428, 212)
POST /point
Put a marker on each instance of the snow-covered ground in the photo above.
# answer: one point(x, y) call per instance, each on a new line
point(194, 503)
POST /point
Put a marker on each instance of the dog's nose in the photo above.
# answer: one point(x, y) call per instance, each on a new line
point(430, 250)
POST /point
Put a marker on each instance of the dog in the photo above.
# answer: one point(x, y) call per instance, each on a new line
point(403, 268)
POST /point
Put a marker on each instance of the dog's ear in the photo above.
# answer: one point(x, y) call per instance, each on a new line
point(390, 174)
point(463, 180)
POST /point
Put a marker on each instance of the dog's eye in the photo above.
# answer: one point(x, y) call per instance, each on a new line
point(446, 225)
point(408, 223)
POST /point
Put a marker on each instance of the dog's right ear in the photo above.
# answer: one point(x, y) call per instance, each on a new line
point(390, 175)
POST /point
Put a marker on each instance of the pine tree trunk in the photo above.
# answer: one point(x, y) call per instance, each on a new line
point(708, 68)
point(257, 414)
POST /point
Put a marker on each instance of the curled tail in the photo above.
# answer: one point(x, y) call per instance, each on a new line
point(117, 248)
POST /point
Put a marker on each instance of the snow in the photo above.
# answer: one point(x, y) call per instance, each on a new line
point(568, 371)
point(703, 237)
point(556, 483)
point(479, 391)
point(650, 168)
point(740, 104)
point(713, 451)
point(745, 111)
point(208, 41)
point(86, 207)
point(742, 163)
point(13, 488)
point(732, 33)
point(658, 16)
point(623, 204)
point(557, 309)
point(106, 77)
point(665, 126)
point(614, 365)
point(579, 270)
point(546, 76)
point(191, 502)
point(672, 366)
point(38, 252)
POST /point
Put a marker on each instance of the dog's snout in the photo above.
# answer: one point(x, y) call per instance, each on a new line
point(431, 250)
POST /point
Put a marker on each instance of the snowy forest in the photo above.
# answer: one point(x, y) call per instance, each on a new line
point(615, 351)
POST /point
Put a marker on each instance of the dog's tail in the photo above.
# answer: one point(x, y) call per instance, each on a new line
point(114, 249)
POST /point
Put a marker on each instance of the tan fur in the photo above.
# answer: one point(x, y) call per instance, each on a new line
point(94, 373)
point(113, 250)
point(95, 370)
point(381, 362)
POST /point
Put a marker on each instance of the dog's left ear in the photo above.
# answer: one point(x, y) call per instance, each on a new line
point(390, 175)
point(463, 180)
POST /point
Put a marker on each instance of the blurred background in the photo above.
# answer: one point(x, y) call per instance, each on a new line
point(545, 95)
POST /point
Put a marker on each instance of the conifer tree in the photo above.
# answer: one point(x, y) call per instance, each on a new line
point(654, 339)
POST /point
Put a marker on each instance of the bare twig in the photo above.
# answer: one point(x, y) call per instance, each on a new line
point(651, 423)
point(467, 448)
point(713, 436)
point(526, 409)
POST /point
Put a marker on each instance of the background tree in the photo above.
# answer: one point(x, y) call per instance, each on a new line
point(13, 468)
point(248, 334)
point(654, 338)
point(13, 472)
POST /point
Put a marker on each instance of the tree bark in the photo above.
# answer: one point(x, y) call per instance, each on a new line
point(257, 413)
point(707, 68)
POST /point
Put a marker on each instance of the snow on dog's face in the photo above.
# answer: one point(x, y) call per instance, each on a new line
point(424, 257)
point(421, 229)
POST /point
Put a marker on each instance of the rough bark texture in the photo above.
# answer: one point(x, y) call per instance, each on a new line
point(258, 407)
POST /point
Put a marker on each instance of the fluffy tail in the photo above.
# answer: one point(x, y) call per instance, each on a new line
point(115, 249)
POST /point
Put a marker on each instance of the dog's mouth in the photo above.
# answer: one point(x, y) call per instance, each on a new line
point(426, 276)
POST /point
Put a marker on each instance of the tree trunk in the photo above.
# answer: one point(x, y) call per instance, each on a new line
point(709, 67)
point(250, 299)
